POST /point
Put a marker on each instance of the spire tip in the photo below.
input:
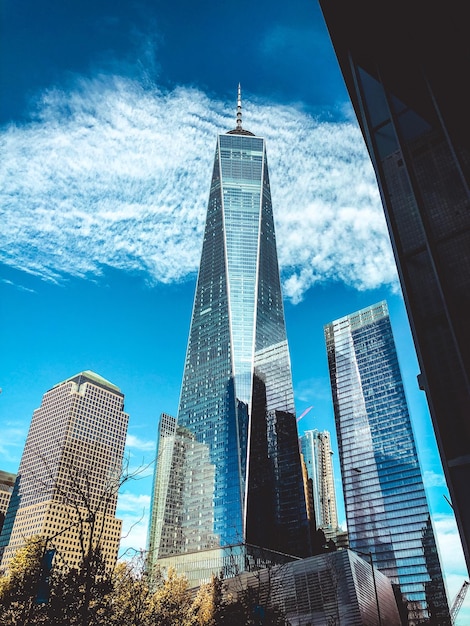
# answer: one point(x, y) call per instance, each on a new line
point(239, 108)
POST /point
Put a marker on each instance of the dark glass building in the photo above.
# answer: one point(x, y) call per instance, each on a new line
point(386, 508)
point(239, 478)
point(405, 65)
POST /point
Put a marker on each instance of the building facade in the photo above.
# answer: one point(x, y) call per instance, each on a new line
point(7, 482)
point(386, 507)
point(334, 588)
point(70, 471)
point(404, 66)
point(240, 479)
point(317, 455)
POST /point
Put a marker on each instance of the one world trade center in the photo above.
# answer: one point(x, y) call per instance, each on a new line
point(228, 483)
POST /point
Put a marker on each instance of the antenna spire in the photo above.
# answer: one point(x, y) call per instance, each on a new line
point(239, 108)
point(239, 130)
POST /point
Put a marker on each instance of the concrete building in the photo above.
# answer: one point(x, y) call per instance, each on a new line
point(317, 454)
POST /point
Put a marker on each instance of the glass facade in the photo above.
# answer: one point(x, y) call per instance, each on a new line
point(386, 508)
point(405, 66)
point(317, 454)
point(235, 435)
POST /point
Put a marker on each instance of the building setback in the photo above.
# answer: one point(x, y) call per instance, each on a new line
point(66, 487)
point(405, 66)
point(240, 478)
point(386, 508)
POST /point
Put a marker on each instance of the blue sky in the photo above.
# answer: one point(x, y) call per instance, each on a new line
point(108, 123)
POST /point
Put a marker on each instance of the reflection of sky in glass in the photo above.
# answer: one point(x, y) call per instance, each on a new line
point(386, 508)
point(237, 332)
point(241, 160)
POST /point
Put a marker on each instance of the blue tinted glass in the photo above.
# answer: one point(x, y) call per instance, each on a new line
point(229, 467)
point(386, 508)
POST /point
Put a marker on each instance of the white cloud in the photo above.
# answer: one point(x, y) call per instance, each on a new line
point(133, 509)
point(16, 286)
point(12, 440)
point(128, 501)
point(433, 479)
point(113, 174)
point(452, 561)
point(135, 442)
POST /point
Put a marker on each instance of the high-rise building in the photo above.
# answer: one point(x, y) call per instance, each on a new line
point(237, 478)
point(7, 482)
point(317, 454)
point(404, 64)
point(66, 487)
point(386, 507)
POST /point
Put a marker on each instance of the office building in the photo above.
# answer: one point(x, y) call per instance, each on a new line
point(405, 66)
point(317, 455)
point(7, 482)
point(386, 508)
point(70, 470)
point(239, 478)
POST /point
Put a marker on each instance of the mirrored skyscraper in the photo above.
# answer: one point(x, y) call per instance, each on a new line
point(235, 437)
point(386, 508)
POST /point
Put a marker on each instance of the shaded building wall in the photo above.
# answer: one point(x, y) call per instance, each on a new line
point(405, 67)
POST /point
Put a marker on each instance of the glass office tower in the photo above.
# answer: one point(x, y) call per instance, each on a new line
point(386, 508)
point(405, 65)
point(235, 436)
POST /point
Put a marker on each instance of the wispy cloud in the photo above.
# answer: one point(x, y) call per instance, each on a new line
point(12, 440)
point(433, 479)
point(135, 442)
point(133, 509)
point(115, 174)
point(312, 390)
point(16, 286)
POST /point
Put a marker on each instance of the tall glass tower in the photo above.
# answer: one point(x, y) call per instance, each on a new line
point(235, 475)
point(386, 508)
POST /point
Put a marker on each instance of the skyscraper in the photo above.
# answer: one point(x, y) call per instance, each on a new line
point(239, 480)
point(7, 482)
point(405, 65)
point(386, 508)
point(66, 487)
point(317, 454)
